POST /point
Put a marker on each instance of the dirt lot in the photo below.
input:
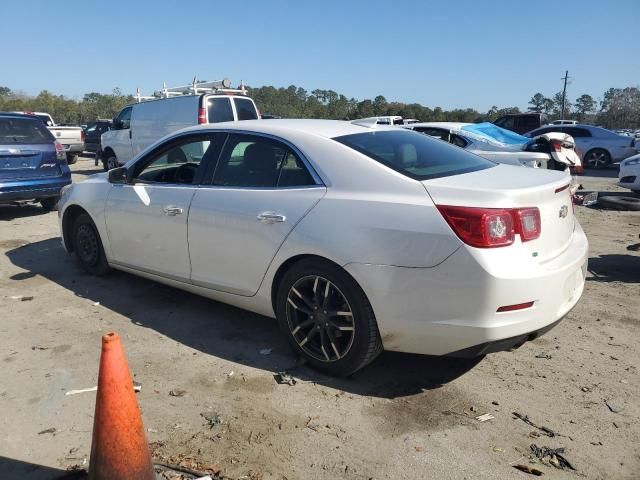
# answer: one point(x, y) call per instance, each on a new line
point(402, 417)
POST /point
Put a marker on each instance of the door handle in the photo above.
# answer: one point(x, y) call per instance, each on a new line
point(172, 211)
point(271, 217)
point(129, 134)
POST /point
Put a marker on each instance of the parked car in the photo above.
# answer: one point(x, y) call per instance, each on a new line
point(71, 138)
point(564, 122)
point(552, 150)
point(139, 125)
point(32, 163)
point(521, 122)
point(629, 174)
point(355, 238)
point(597, 146)
point(93, 132)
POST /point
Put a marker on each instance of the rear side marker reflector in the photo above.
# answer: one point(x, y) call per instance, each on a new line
point(560, 189)
point(517, 306)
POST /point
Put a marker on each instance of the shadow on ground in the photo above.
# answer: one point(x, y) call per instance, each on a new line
point(224, 331)
point(11, 212)
point(615, 268)
point(12, 469)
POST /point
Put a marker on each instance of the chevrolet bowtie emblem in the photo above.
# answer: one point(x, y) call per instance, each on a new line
point(564, 211)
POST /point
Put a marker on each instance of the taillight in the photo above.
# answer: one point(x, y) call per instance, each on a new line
point(556, 145)
point(82, 135)
point(202, 116)
point(60, 155)
point(492, 227)
point(528, 224)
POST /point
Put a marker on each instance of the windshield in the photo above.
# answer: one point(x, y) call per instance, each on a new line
point(413, 154)
point(23, 131)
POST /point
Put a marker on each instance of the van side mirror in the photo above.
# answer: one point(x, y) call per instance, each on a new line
point(118, 175)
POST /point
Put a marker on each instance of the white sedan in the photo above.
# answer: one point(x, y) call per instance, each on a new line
point(356, 238)
point(553, 150)
point(629, 174)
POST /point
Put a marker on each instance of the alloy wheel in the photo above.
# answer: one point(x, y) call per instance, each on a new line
point(597, 159)
point(320, 318)
point(112, 163)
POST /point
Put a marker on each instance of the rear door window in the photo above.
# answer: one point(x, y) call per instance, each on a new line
point(25, 131)
point(219, 110)
point(414, 155)
point(245, 109)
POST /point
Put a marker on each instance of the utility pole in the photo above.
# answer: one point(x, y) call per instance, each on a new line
point(564, 92)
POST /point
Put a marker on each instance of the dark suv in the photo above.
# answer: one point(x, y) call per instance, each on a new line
point(93, 132)
point(33, 165)
point(521, 122)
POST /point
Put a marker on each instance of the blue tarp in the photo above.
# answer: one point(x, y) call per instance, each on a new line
point(496, 133)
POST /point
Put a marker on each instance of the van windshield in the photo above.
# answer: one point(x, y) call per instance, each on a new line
point(413, 154)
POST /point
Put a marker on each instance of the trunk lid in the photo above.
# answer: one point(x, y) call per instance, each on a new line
point(67, 135)
point(28, 162)
point(505, 186)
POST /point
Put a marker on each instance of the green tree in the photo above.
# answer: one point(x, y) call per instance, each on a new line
point(537, 103)
point(584, 105)
point(5, 91)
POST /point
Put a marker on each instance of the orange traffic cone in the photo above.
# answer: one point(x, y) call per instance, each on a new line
point(119, 449)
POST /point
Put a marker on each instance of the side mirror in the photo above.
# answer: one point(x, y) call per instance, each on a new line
point(118, 175)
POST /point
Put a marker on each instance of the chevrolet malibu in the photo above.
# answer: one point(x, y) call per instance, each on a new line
point(355, 238)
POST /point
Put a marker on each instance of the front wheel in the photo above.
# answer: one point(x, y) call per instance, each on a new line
point(110, 162)
point(327, 318)
point(597, 158)
point(88, 246)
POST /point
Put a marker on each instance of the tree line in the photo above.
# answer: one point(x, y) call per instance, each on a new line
point(619, 107)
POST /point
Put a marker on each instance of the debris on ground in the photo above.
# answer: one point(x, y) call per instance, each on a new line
point(552, 456)
point(614, 406)
point(544, 355)
point(283, 378)
point(212, 418)
point(473, 408)
point(177, 392)
point(266, 351)
point(485, 417)
point(38, 347)
point(22, 298)
point(528, 469)
point(136, 388)
point(527, 420)
point(48, 430)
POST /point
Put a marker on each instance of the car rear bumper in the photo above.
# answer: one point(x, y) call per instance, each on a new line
point(451, 309)
point(73, 147)
point(32, 189)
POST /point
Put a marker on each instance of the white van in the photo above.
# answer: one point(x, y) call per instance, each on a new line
point(139, 125)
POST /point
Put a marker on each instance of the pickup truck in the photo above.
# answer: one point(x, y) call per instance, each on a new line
point(71, 138)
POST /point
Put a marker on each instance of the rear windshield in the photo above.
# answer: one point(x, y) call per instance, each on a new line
point(246, 109)
point(23, 131)
point(413, 154)
point(219, 110)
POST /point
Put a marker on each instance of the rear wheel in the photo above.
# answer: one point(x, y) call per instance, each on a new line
point(88, 246)
point(327, 318)
point(110, 162)
point(597, 158)
point(50, 203)
point(72, 158)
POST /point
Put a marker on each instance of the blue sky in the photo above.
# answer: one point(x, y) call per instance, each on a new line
point(449, 54)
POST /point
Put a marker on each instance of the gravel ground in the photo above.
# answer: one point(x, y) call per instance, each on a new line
point(403, 417)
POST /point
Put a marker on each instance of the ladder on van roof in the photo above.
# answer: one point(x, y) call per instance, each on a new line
point(194, 88)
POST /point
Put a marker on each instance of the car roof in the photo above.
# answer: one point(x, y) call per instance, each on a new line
point(445, 125)
point(17, 115)
point(321, 128)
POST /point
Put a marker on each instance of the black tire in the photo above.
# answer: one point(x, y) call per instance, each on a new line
point(620, 203)
point(354, 349)
point(87, 246)
point(72, 158)
point(597, 158)
point(50, 203)
point(109, 162)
